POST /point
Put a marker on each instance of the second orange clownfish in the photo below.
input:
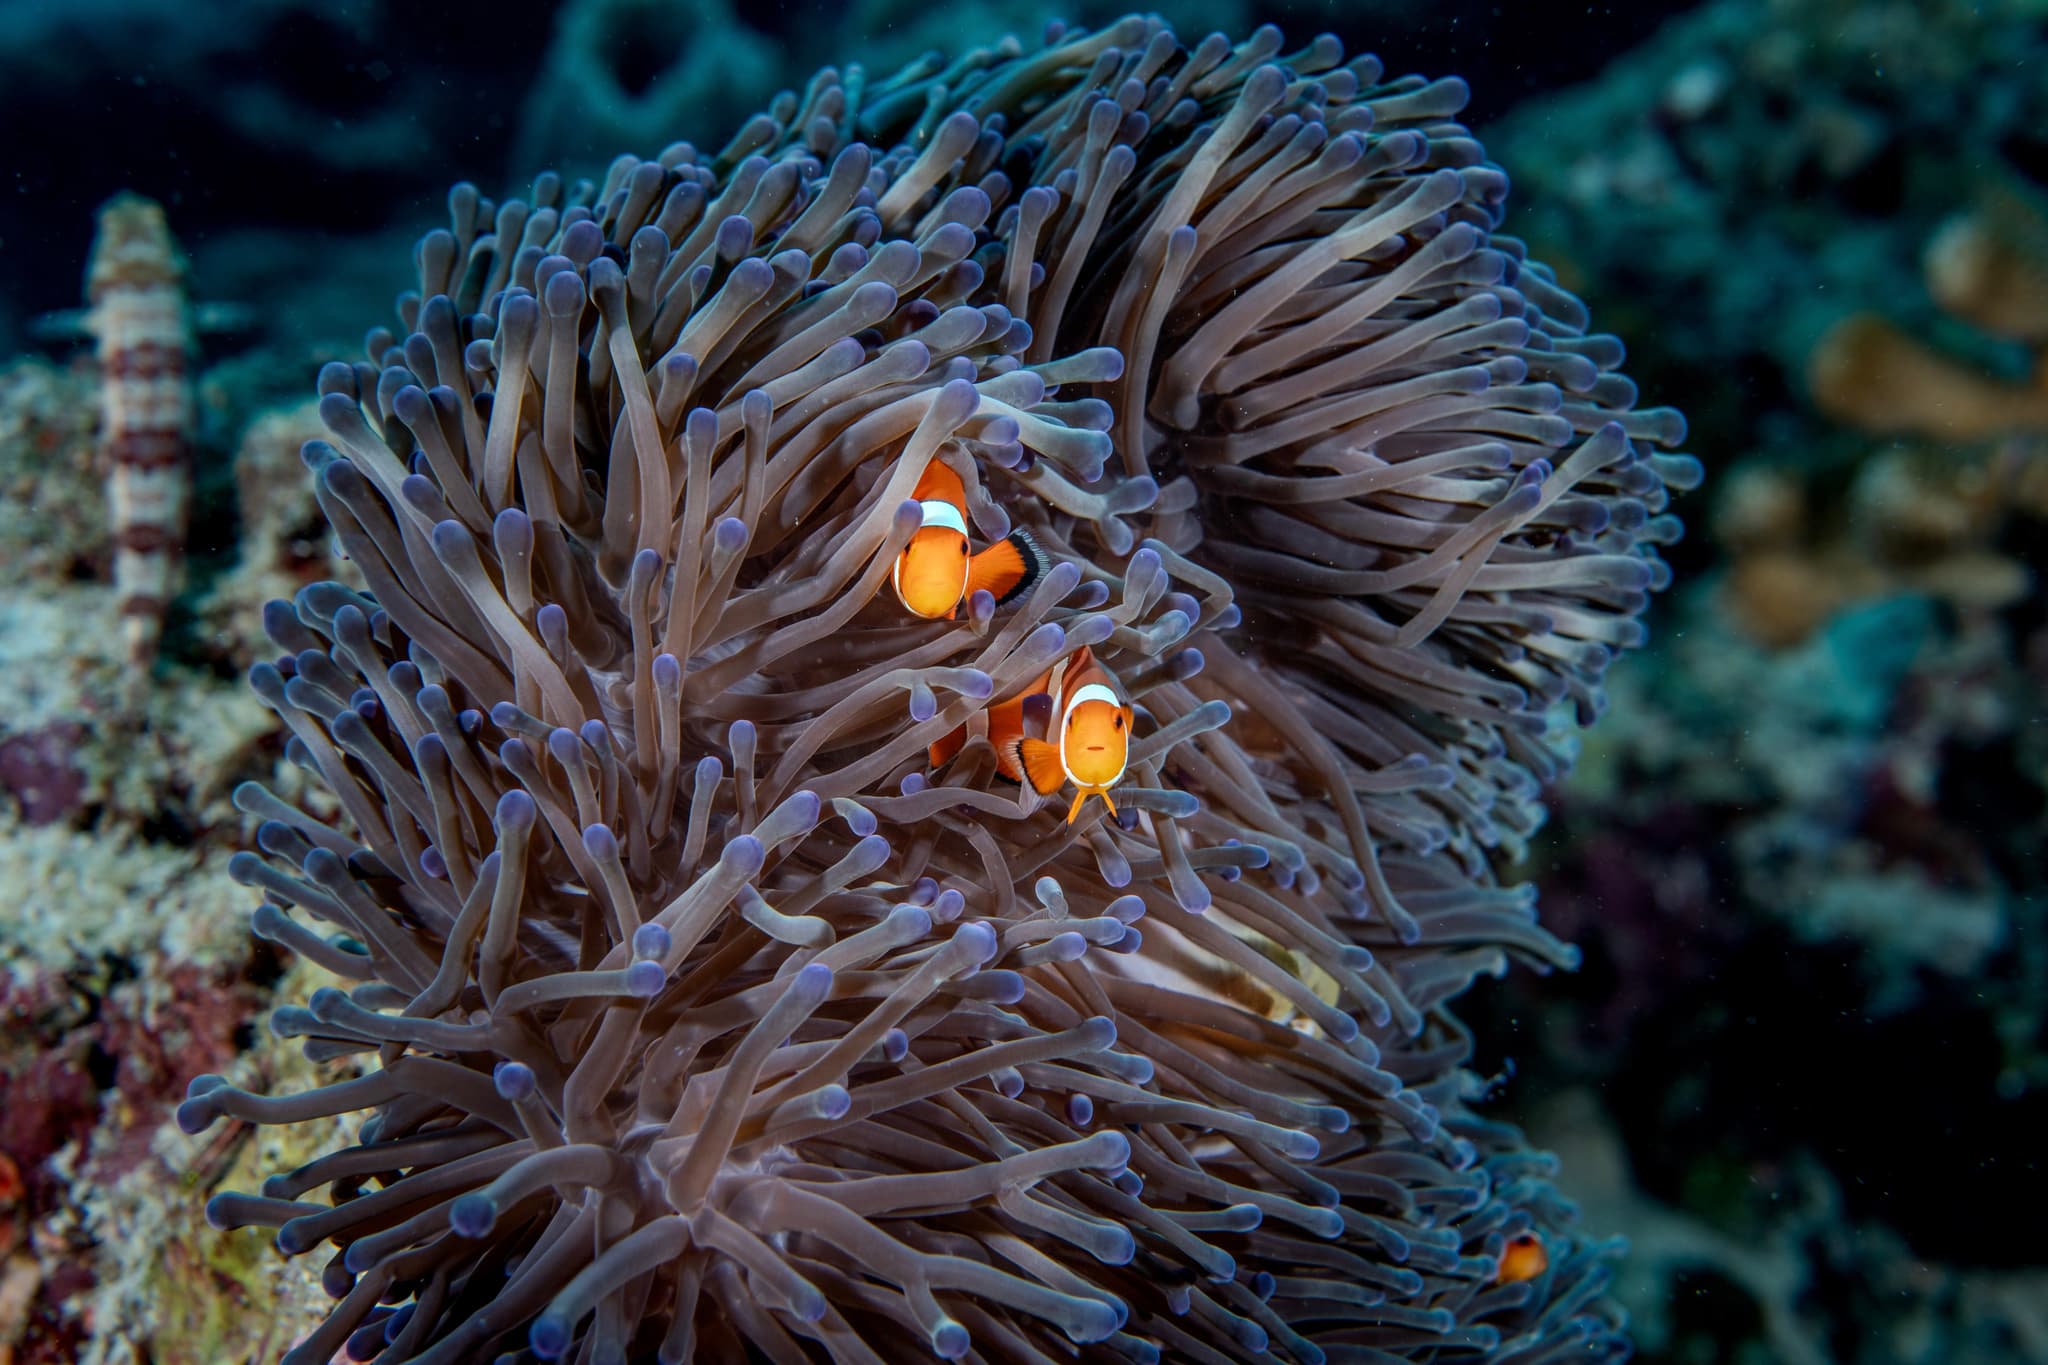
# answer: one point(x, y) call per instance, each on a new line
point(1524, 1258)
point(936, 573)
point(1091, 734)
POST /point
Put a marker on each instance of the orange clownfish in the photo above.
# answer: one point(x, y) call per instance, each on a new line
point(1091, 736)
point(1090, 718)
point(935, 573)
point(1524, 1259)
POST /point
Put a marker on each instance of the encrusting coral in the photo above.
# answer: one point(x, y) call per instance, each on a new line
point(710, 1021)
point(53, 502)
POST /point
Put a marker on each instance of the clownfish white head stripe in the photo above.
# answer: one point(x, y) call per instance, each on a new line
point(938, 513)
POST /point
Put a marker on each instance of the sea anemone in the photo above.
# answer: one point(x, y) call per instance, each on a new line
point(701, 1019)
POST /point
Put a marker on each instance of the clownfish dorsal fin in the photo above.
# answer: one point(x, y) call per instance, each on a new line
point(1083, 670)
point(940, 484)
point(1039, 762)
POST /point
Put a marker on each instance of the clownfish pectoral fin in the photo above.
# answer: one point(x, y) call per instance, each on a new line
point(1007, 569)
point(1081, 799)
point(1040, 764)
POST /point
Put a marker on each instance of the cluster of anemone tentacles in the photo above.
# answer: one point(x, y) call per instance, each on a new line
point(700, 1019)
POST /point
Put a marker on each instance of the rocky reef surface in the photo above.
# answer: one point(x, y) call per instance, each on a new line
point(125, 962)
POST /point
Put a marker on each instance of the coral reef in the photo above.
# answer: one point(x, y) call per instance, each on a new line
point(124, 965)
point(1920, 522)
point(53, 515)
point(163, 1287)
point(164, 761)
point(1931, 517)
point(124, 958)
point(1868, 372)
point(1802, 870)
point(1814, 1246)
point(708, 1017)
point(282, 539)
point(1804, 856)
point(92, 1056)
point(1819, 144)
point(1987, 266)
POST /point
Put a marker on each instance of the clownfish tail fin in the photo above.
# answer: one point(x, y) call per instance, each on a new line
point(1037, 564)
point(1039, 763)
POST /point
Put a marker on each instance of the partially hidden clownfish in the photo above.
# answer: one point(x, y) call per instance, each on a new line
point(1523, 1259)
point(1091, 725)
point(936, 573)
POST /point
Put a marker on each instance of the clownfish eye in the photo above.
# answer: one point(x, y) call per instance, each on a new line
point(1119, 722)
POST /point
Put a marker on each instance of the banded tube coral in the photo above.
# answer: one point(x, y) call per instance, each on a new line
point(699, 1015)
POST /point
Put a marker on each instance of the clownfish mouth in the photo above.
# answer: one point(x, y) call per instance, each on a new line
point(1095, 748)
